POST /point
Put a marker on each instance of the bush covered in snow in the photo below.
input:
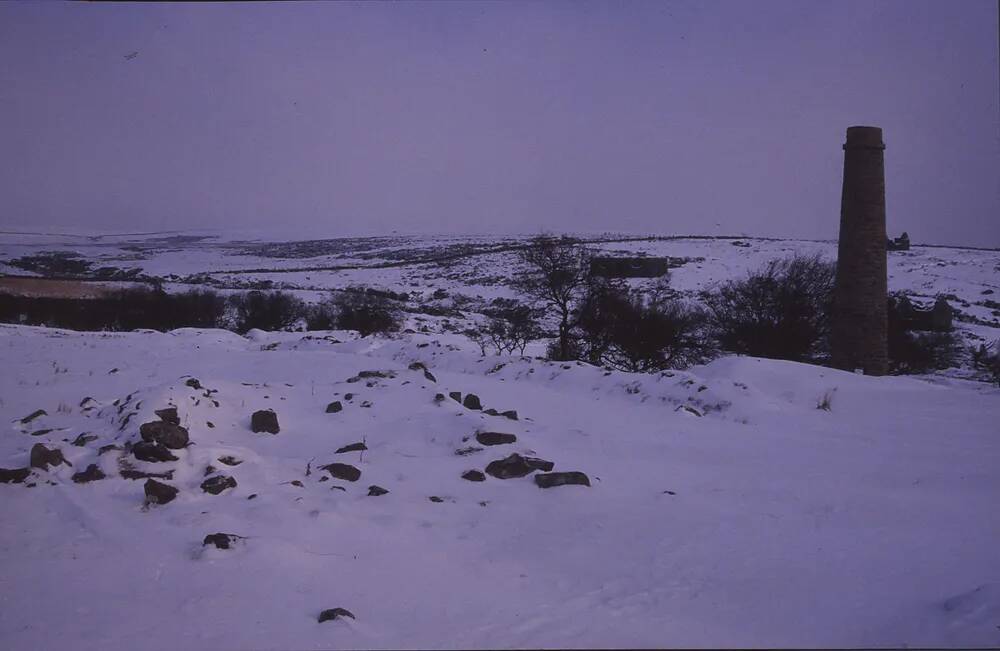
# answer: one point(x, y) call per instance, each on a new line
point(781, 311)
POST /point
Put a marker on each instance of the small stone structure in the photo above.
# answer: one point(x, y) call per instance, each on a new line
point(935, 319)
point(901, 243)
point(859, 328)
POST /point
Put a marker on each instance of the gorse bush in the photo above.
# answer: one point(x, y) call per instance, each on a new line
point(781, 311)
point(620, 329)
point(120, 310)
point(368, 313)
point(266, 310)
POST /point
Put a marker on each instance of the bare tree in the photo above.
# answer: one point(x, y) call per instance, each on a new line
point(558, 270)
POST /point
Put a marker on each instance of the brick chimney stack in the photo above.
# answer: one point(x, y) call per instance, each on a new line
point(859, 329)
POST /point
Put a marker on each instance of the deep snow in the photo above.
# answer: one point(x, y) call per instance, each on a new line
point(872, 524)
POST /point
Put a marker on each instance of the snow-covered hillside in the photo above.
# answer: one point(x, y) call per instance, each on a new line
point(724, 507)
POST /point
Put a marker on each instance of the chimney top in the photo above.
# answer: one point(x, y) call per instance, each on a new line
point(864, 138)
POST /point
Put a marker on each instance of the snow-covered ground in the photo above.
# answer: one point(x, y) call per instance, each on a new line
point(725, 508)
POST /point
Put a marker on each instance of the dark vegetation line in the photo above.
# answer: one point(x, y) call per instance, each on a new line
point(504, 248)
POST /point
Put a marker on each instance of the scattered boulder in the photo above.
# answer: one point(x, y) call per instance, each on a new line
point(157, 493)
point(491, 412)
point(14, 475)
point(353, 447)
point(375, 491)
point(435, 499)
point(348, 396)
point(334, 407)
point(92, 473)
point(168, 415)
point(473, 475)
point(429, 376)
point(264, 420)
point(107, 448)
point(42, 457)
point(83, 439)
point(343, 471)
point(510, 413)
point(217, 484)
point(41, 432)
point(230, 460)
point(33, 415)
point(552, 479)
point(462, 452)
point(495, 438)
point(165, 433)
point(221, 540)
point(439, 398)
point(455, 395)
point(194, 384)
point(152, 452)
point(517, 466)
point(332, 614)
point(471, 401)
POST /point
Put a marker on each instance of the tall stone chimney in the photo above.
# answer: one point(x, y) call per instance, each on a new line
point(859, 329)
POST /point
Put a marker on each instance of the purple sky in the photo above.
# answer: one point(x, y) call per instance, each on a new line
point(470, 117)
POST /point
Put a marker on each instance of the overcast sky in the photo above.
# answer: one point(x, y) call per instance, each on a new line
point(472, 117)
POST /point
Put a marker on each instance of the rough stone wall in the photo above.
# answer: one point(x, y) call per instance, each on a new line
point(859, 331)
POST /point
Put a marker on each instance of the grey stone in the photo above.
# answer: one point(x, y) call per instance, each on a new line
point(343, 471)
point(14, 476)
point(473, 475)
point(166, 434)
point(353, 447)
point(264, 420)
point(157, 493)
point(552, 479)
point(375, 491)
point(332, 614)
point(168, 415)
point(517, 466)
point(92, 473)
point(42, 457)
point(471, 401)
point(334, 407)
point(152, 452)
point(221, 540)
point(495, 438)
point(217, 484)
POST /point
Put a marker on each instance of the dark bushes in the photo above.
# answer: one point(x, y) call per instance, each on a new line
point(266, 310)
point(368, 313)
point(780, 311)
point(620, 329)
point(510, 327)
point(126, 309)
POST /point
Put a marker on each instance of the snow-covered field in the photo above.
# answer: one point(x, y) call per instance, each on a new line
point(724, 507)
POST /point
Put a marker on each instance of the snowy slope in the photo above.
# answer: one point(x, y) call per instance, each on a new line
point(724, 509)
